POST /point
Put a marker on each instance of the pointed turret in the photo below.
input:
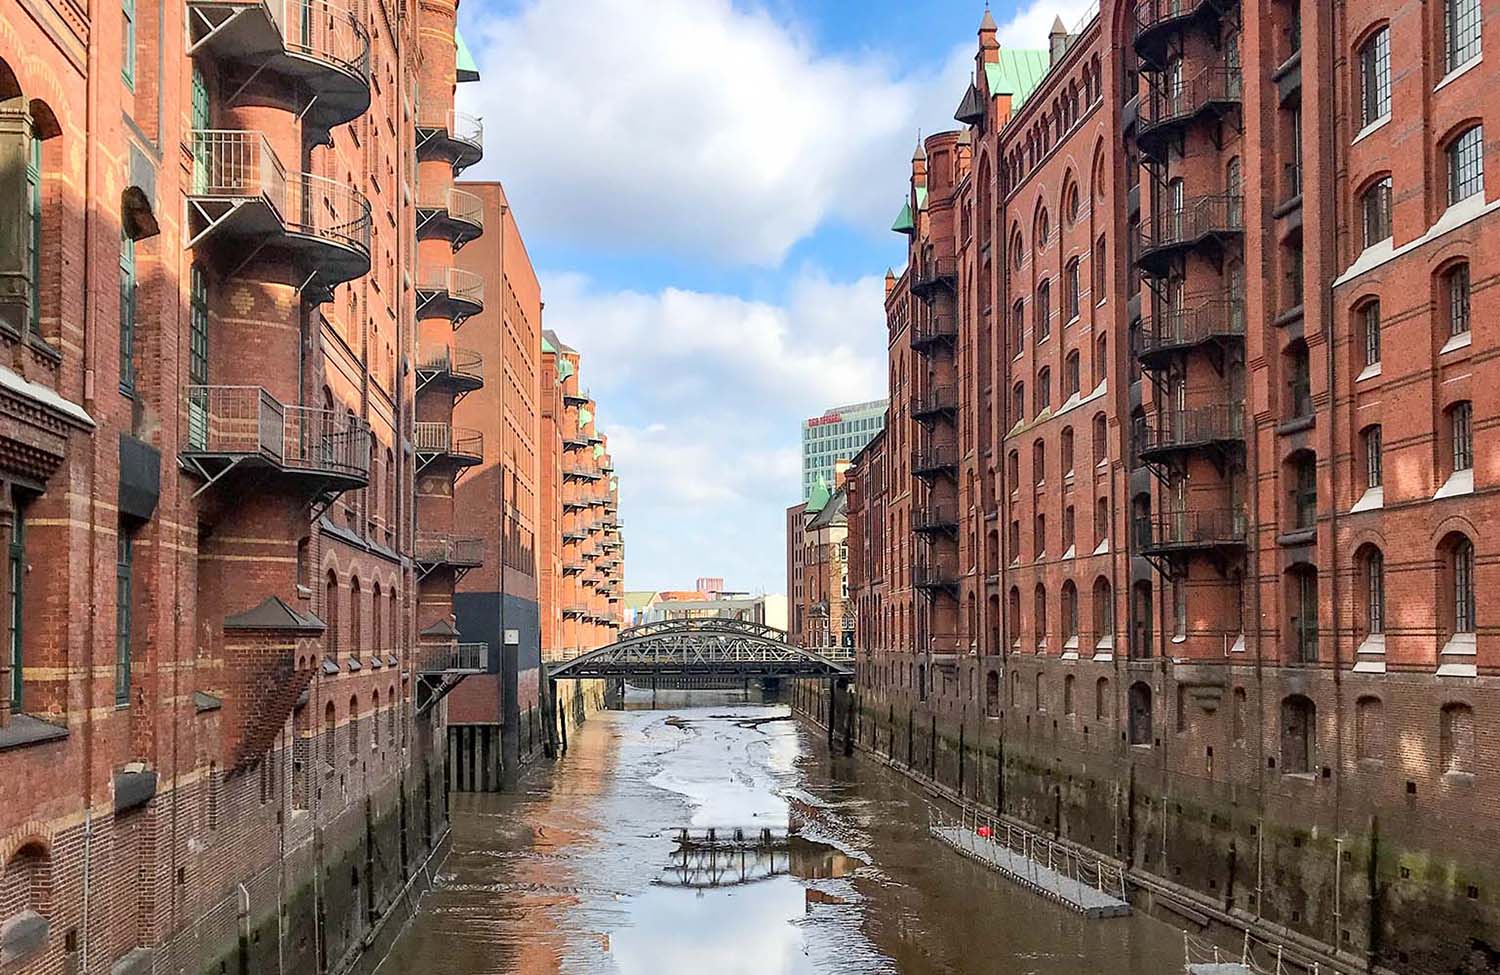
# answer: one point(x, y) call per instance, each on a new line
point(890, 282)
point(1057, 39)
point(919, 166)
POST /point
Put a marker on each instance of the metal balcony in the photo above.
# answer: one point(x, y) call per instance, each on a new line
point(440, 550)
point(573, 567)
point(1171, 332)
point(450, 368)
point(584, 473)
point(934, 576)
point(934, 274)
point(576, 398)
point(244, 429)
point(1171, 436)
point(935, 518)
point(451, 293)
point(935, 404)
point(1157, 22)
point(571, 502)
point(243, 201)
point(1213, 531)
point(319, 45)
point(1167, 113)
point(575, 610)
point(452, 135)
point(935, 332)
point(452, 214)
point(937, 460)
point(439, 442)
point(441, 667)
point(1207, 223)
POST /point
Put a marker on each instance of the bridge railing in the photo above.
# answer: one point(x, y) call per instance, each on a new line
point(1082, 866)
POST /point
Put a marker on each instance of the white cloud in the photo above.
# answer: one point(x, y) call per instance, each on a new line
point(1028, 28)
point(701, 396)
point(700, 129)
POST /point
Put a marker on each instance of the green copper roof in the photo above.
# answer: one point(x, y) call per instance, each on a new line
point(467, 69)
point(1017, 74)
point(564, 369)
point(598, 450)
point(585, 416)
point(904, 223)
point(921, 197)
point(817, 499)
point(547, 345)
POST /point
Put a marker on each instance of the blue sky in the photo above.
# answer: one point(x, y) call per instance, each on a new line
point(705, 188)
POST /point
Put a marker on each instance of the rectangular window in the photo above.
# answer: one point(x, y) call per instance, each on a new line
point(127, 68)
point(34, 236)
point(125, 557)
point(1373, 471)
point(17, 600)
point(1466, 165)
point(1371, 324)
point(1305, 622)
point(1461, 32)
point(1070, 290)
point(1375, 77)
point(127, 315)
point(1463, 438)
point(1458, 300)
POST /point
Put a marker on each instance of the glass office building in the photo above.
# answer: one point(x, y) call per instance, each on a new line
point(837, 435)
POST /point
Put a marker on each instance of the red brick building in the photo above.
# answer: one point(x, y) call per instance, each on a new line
point(1187, 358)
point(213, 687)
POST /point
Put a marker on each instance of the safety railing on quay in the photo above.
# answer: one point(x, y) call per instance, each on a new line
point(1060, 860)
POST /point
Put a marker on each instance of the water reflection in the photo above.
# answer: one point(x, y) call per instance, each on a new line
point(720, 837)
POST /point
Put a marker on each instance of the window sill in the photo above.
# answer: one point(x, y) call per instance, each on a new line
point(1372, 500)
point(24, 730)
point(1296, 425)
point(1458, 656)
point(1292, 314)
point(1301, 536)
point(1370, 655)
point(1459, 483)
point(1102, 548)
point(1460, 341)
point(1459, 71)
point(1370, 129)
point(1371, 371)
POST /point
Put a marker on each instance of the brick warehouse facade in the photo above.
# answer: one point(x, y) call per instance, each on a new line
point(1191, 340)
point(228, 465)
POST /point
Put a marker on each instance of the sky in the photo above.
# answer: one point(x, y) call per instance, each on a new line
point(706, 189)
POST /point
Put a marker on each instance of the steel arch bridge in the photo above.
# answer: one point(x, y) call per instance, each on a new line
point(710, 647)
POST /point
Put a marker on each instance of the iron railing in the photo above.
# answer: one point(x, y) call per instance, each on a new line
point(1212, 85)
point(934, 516)
point(933, 575)
point(1150, 14)
point(981, 835)
point(937, 457)
point(1195, 425)
point(1181, 327)
point(328, 32)
point(451, 359)
point(459, 126)
point(937, 328)
point(249, 420)
point(1197, 218)
point(441, 658)
point(440, 438)
point(231, 163)
point(459, 205)
point(455, 282)
point(939, 399)
point(1197, 527)
point(932, 271)
point(441, 547)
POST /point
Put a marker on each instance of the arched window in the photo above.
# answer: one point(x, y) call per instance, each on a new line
point(1299, 721)
point(1233, 180)
point(356, 645)
point(1455, 299)
point(353, 735)
point(1071, 286)
point(1461, 32)
point(1068, 706)
point(330, 733)
point(1043, 389)
point(1040, 695)
point(1066, 443)
point(1018, 328)
point(1101, 440)
point(1372, 589)
point(331, 611)
point(1461, 436)
point(1459, 604)
point(1018, 402)
point(1466, 164)
point(1013, 617)
point(1368, 316)
point(1070, 614)
point(1101, 699)
point(1101, 523)
point(1302, 486)
point(1375, 211)
point(1298, 380)
point(1104, 614)
point(1042, 312)
point(1142, 637)
point(1071, 205)
point(375, 718)
point(1072, 376)
point(377, 610)
point(1101, 360)
point(1098, 289)
point(1039, 616)
point(1017, 248)
point(393, 707)
point(1140, 731)
point(992, 694)
point(1043, 230)
point(1457, 738)
point(1038, 463)
point(1375, 77)
point(27, 884)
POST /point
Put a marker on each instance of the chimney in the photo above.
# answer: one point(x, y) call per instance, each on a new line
point(1057, 39)
point(919, 166)
point(989, 44)
point(890, 282)
point(840, 473)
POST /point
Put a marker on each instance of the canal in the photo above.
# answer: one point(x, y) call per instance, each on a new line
point(581, 869)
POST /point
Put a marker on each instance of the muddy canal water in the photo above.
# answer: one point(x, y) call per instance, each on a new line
point(583, 868)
